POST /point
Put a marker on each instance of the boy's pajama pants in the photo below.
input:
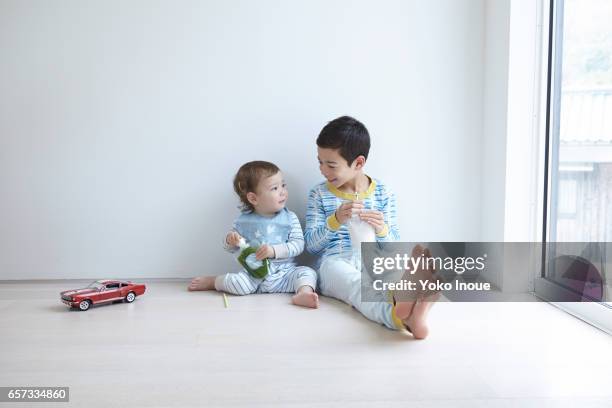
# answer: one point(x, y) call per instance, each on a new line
point(338, 278)
point(283, 277)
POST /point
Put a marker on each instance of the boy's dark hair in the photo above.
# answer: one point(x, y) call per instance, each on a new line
point(348, 135)
point(248, 177)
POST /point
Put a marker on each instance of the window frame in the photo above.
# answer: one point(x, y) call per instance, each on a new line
point(598, 314)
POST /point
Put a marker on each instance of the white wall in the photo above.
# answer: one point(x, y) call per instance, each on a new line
point(514, 93)
point(123, 122)
point(513, 137)
point(495, 111)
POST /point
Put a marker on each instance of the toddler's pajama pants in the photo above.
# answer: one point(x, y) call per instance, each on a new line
point(283, 278)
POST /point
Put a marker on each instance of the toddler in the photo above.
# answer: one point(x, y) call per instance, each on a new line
point(265, 223)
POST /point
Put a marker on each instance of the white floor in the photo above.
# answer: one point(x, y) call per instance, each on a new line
point(172, 348)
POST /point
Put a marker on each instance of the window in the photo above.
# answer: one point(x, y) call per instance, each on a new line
point(579, 149)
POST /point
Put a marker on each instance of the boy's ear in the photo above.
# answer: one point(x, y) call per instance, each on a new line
point(252, 197)
point(359, 162)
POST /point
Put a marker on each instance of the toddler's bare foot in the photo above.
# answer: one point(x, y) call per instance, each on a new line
point(306, 299)
point(202, 283)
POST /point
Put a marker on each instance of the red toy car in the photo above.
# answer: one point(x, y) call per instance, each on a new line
point(102, 291)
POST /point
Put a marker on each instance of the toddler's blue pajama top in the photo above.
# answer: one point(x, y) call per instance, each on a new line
point(283, 233)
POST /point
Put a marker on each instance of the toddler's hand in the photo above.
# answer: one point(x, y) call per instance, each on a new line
point(232, 239)
point(345, 211)
point(264, 251)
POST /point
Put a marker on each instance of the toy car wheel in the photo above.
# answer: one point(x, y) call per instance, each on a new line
point(84, 305)
point(130, 297)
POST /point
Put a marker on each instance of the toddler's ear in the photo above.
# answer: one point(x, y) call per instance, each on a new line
point(252, 197)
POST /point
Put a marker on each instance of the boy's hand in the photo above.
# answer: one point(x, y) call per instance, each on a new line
point(345, 211)
point(375, 218)
point(232, 239)
point(264, 251)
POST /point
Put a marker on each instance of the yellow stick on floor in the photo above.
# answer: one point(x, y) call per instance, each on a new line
point(225, 301)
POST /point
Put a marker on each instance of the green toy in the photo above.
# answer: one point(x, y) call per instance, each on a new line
point(257, 269)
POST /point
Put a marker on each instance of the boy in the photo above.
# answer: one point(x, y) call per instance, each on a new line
point(343, 146)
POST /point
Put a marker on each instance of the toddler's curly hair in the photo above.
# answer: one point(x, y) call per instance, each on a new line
point(248, 177)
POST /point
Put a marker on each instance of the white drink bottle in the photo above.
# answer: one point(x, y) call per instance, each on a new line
point(359, 231)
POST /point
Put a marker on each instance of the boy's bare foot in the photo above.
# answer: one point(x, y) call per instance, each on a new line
point(413, 321)
point(306, 297)
point(416, 322)
point(412, 308)
point(403, 310)
point(202, 283)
